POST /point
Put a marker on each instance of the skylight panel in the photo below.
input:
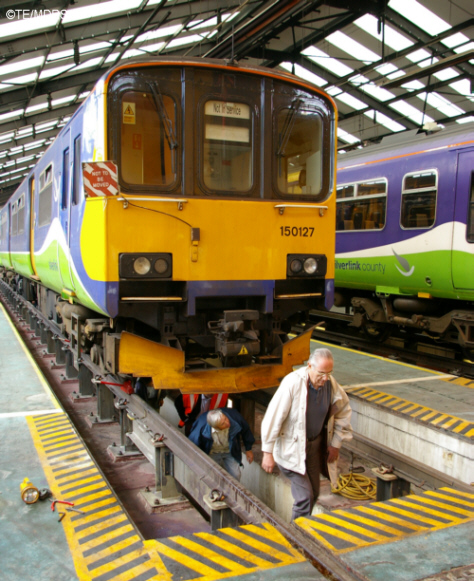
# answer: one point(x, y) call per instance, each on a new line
point(18, 66)
point(31, 78)
point(441, 104)
point(419, 15)
point(351, 101)
point(153, 47)
point(103, 9)
point(160, 33)
point(345, 136)
point(455, 40)
point(392, 38)
point(413, 85)
point(446, 74)
point(333, 91)
point(324, 60)
point(378, 93)
point(303, 73)
point(34, 144)
point(34, 108)
point(464, 48)
point(90, 63)
point(6, 137)
point(21, 26)
point(64, 54)
point(47, 73)
point(112, 58)
point(463, 87)
point(386, 69)
point(63, 100)
point(350, 46)
point(202, 23)
point(131, 53)
point(11, 114)
point(469, 119)
point(378, 117)
point(418, 55)
point(411, 112)
point(396, 74)
point(185, 40)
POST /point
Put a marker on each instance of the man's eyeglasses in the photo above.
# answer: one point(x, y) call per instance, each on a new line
point(324, 374)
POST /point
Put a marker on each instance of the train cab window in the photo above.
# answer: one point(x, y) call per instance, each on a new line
point(361, 206)
point(470, 214)
point(419, 192)
point(45, 202)
point(298, 151)
point(148, 138)
point(21, 214)
point(227, 147)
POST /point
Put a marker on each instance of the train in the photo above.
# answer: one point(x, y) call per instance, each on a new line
point(182, 222)
point(405, 235)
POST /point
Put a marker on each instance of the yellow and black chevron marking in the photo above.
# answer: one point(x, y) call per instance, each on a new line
point(414, 410)
point(382, 522)
point(104, 543)
point(228, 552)
point(464, 381)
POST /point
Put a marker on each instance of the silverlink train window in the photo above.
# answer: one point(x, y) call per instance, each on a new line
point(227, 148)
point(361, 206)
point(299, 151)
point(419, 199)
point(148, 138)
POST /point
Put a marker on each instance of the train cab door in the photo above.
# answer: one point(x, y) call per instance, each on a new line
point(463, 231)
point(32, 201)
point(64, 257)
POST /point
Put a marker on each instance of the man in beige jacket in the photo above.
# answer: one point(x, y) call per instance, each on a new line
point(303, 429)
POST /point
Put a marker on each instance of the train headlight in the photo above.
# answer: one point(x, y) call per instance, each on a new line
point(310, 265)
point(296, 265)
point(161, 266)
point(306, 265)
point(145, 265)
point(141, 265)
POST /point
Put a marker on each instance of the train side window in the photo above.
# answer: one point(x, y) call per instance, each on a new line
point(148, 138)
point(21, 214)
point(3, 226)
point(227, 146)
point(76, 175)
point(362, 205)
point(470, 214)
point(65, 180)
point(419, 194)
point(45, 202)
point(14, 225)
point(298, 149)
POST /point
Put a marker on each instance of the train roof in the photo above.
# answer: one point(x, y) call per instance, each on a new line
point(410, 142)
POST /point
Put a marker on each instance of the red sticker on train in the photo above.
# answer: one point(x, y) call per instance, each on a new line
point(100, 179)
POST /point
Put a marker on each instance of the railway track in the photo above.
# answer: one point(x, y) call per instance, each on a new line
point(410, 348)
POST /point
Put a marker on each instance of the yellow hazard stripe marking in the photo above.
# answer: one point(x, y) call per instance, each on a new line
point(260, 546)
point(234, 549)
point(429, 510)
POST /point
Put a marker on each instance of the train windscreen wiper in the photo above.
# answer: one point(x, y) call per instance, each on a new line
point(288, 125)
point(161, 109)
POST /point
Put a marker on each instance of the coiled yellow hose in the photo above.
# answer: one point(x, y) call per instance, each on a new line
point(356, 487)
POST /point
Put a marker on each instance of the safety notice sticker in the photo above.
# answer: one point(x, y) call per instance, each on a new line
point(128, 110)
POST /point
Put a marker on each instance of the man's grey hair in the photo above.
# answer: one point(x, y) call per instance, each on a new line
point(319, 354)
point(214, 418)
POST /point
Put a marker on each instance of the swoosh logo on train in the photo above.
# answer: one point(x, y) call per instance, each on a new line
point(407, 271)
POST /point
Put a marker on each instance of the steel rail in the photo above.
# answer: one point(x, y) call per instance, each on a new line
point(243, 503)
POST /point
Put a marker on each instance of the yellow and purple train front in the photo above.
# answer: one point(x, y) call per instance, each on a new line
point(212, 231)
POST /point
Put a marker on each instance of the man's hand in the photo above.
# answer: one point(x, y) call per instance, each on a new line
point(333, 454)
point(268, 462)
point(249, 455)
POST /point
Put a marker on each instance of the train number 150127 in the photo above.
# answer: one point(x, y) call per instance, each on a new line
point(304, 231)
